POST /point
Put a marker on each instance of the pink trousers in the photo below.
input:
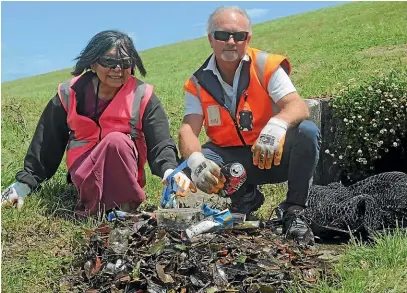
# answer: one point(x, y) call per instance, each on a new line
point(106, 176)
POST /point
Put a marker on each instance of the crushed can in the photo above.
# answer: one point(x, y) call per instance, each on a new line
point(235, 175)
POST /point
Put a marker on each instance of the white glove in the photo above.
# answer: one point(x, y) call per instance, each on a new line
point(269, 145)
point(15, 194)
point(183, 182)
point(206, 174)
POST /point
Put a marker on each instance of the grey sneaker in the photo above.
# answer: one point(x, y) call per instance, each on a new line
point(296, 227)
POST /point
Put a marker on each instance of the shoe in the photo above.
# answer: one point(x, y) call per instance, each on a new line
point(248, 203)
point(296, 227)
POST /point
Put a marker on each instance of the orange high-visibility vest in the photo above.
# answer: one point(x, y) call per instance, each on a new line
point(221, 127)
point(124, 114)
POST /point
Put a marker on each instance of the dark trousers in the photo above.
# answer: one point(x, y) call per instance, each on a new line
point(298, 163)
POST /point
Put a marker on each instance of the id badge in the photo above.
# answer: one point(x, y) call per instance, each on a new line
point(213, 113)
point(245, 120)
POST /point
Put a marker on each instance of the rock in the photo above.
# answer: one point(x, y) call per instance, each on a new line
point(321, 113)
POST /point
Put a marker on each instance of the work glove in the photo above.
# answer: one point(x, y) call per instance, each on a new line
point(182, 180)
point(205, 174)
point(15, 194)
point(269, 144)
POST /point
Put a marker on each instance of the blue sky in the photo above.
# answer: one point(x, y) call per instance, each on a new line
point(39, 37)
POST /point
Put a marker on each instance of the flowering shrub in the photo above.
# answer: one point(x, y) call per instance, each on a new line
point(369, 120)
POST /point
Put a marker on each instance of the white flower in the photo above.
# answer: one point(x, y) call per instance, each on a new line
point(378, 91)
point(395, 144)
point(392, 131)
point(386, 150)
point(361, 128)
point(340, 157)
point(377, 112)
point(366, 134)
point(349, 146)
point(360, 152)
point(359, 116)
point(345, 120)
point(326, 151)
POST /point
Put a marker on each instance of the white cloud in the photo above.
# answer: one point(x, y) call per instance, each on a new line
point(257, 12)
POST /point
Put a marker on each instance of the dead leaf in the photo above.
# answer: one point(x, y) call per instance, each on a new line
point(125, 279)
point(103, 229)
point(162, 275)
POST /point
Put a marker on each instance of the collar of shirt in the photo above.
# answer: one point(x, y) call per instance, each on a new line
point(212, 65)
point(230, 91)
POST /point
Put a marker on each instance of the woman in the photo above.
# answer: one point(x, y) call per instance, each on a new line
point(110, 123)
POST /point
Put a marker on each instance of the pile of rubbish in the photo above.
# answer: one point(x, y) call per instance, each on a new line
point(189, 250)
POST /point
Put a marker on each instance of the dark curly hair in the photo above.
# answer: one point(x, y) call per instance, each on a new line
point(102, 43)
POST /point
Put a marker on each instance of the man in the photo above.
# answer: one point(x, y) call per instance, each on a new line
point(253, 115)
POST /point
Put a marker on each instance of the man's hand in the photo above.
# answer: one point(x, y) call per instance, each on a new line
point(15, 194)
point(183, 182)
point(269, 144)
point(205, 173)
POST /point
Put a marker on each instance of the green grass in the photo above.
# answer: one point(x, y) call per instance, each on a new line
point(380, 267)
point(326, 47)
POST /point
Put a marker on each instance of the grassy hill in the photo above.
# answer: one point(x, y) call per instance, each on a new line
point(326, 47)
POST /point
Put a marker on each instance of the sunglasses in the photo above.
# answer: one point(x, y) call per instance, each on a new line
point(225, 36)
point(110, 62)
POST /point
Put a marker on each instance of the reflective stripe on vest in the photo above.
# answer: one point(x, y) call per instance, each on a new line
point(74, 143)
point(260, 64)
point(135, 112)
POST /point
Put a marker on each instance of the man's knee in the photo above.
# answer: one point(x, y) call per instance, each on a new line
point(309, 132)
point(211, 152)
